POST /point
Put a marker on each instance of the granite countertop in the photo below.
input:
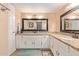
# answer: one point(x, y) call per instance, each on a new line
point(33, 33)
point(73, 42)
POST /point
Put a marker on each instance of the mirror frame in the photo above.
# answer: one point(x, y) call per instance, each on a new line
point(66, 13)
point(33, 29)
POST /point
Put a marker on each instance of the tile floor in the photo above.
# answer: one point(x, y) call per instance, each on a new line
point(31, 52)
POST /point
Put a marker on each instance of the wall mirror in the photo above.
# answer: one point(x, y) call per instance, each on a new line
point(69, 21)
point(34, 24)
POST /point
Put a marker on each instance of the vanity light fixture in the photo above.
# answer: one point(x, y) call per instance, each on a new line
point(29, 17)
point(39, 17)
point(3, 8)
point(35, 16)
point(72, 17)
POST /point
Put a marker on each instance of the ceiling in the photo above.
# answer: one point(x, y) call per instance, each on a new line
point(39, 7)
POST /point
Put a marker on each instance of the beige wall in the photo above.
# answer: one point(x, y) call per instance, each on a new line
point(51, 19)
point(3, 33)
point(5, 39)
point(18, 19)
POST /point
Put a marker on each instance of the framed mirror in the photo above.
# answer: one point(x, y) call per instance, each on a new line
point(34, 24)
point(69, 21)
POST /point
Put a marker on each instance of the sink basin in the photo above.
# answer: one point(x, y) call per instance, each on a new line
point(34, 31)
point(70, 38)
point(67, 37)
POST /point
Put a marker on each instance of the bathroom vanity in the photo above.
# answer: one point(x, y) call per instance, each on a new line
point(59, 44)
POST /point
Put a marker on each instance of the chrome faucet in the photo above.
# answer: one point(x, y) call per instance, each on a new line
point(75, 35)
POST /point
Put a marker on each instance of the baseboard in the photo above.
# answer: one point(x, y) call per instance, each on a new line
point(46, 49)
point(12, 52)
point(27, 48)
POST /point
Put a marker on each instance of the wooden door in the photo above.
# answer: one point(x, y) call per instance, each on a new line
point(11, 28)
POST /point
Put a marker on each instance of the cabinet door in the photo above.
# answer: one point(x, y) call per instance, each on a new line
point(55, 47)
point(23, 43)
point(51, 43)
point(45, 42)
point(37, 41)
point(28, 41)
point(11, 28)
point(18, 41)
point(62, 49)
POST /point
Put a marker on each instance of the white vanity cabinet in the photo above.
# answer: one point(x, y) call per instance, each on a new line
point(37, 41)
point(58, 48)
point(18, 41)
point(28, 42)
point(25, 41)
point(54, 45)
point(51, 43)
point(63, 49)
point(45, 41)
point(32, 41)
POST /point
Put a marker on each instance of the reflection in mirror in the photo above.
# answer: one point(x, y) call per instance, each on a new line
point(70, 20)
point(71, 24)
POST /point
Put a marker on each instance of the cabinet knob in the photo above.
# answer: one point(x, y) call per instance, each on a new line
point(57, 53)
point(32, 42)
point(13, 32)
point(41, 43)
point(24, 42)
